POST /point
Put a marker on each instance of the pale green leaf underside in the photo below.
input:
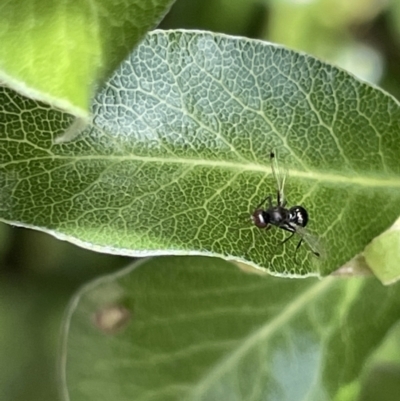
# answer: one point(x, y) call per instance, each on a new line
point(57, 51)
point(177, 157)
point(383, 255)
point(200, 329)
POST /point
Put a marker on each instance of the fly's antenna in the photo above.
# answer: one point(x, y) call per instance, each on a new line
point(279, 176)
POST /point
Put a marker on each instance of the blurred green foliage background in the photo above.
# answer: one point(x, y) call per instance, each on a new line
point(39, 274)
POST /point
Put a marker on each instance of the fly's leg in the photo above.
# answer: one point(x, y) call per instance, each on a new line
point(295, 252)
point(288, 238)
point(268, 198)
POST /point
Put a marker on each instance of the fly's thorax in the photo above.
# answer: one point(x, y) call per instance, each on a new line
point(278, 215)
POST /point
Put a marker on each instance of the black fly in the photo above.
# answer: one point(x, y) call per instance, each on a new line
point(293, 219)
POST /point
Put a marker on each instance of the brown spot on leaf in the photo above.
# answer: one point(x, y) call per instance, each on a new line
point(112, 319)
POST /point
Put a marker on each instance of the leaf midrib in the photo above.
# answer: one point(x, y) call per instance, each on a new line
point(293, 308)
point(370, 181)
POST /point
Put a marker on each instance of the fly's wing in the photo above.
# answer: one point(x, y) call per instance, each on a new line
point(280, 176)
point(311, 240)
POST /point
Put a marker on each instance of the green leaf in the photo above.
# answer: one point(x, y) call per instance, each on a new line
point(199, 329)
point(383, 254)
point(394, 18)
point(59, 51)
point(381, 381)
point(177, 157)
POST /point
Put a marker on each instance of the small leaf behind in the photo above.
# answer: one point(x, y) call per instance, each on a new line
point(59, 51)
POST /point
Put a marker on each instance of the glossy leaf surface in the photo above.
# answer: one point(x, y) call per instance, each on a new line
point(177, 157)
